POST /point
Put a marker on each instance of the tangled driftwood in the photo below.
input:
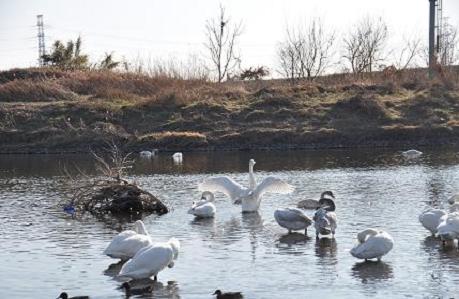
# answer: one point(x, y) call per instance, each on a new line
point(111, 193)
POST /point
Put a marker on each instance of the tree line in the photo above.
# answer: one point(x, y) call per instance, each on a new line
point(306, 51)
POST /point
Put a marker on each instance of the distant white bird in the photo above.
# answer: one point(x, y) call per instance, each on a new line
point(204, 208)
point(372, 243)
point(127, 243)
point(178, 158)
point(448, 229)
point(250, 198)
point(411, 154)
point(151, 260)
point(313, 203)
point(430, 219)
point(292, 219)
point(149, 154)
point(325, 220)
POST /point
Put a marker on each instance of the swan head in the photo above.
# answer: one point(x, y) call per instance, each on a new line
point(363, 235)
point(208, 196)
point(252, 162)
point(326, 194)
point(327, 204)
point(175, 245)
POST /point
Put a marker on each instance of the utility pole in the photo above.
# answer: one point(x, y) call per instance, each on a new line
point(435, 28)
point(41, 40)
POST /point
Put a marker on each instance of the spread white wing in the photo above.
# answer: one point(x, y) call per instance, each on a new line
point(273, 185)
point(223, 184)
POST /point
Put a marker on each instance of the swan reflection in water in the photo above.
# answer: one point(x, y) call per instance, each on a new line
point(114, 269)
point(372, 271)
point(326, 248)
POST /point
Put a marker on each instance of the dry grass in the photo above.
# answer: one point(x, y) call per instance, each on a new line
point(72, 110)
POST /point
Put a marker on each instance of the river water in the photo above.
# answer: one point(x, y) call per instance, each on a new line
point(44, 251)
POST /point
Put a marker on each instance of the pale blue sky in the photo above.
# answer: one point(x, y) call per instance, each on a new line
point(175, 28)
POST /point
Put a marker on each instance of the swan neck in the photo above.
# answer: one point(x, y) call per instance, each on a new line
point(140, 228)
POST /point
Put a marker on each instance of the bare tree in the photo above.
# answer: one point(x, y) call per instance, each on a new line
point(449, 45)
point(305, 53)
point(411, 50)
point(222, 35)
point(365, 44)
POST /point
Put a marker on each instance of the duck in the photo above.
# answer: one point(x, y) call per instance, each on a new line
point(431, 218)
point(313, 203)
point(454, 203)
point(412, 154)
point(292, 219)
point(325, 220)
point(249, 198)
point(448, 229)
point(151, 260)
point(126, 244)
point(178, 158)
point(228, 295)
point(372, 243)
point(204, 208)
point(64, 295)
point(134, 291)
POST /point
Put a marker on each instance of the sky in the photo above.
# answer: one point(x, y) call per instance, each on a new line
point(174, 29)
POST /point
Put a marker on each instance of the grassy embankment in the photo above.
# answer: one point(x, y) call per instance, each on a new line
point(46, 110)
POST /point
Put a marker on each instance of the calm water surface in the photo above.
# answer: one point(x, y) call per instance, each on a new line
point(43, 251)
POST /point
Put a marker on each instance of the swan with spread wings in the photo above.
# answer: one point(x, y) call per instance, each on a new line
point(249, 198)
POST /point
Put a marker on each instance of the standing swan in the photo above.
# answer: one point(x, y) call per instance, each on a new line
point(292, 219)
point(126, 244)
point(431, 218)
point(177, 158)
point(325, 219)
point(372, 244)
point(448, 229)
point(249, 197)
point(151, 260)
point(205, 207)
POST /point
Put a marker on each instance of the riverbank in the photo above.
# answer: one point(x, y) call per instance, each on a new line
point(52, 111)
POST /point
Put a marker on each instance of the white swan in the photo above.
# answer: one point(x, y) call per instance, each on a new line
point(325, 220)
point(149, 154)
point(250, 198)
point(292, 219)
point(448, 229)
point(411, 154)
point(178, 158)
point(151, 260)
point(372, 244)
point(205, 207)
point(127, 243)
point(313, 203)
point(430, 219)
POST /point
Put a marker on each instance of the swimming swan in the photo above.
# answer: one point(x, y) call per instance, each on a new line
point(430, 219)
point(313, 203)
point(411, 154)
point(249, 197)
point(325, 220)
point(292, 219)
point(372, 243)
point(205, 207)
point(126, 244)
point(448, 229)
point(149, 261)
point(178, 158)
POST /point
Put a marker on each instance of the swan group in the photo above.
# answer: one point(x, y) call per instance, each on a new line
point(127, 243)
point(372, 244)
point(249, 198)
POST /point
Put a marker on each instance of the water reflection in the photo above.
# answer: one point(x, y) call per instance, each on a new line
point(294, 238)
point(326, 248)
point(371, 271)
